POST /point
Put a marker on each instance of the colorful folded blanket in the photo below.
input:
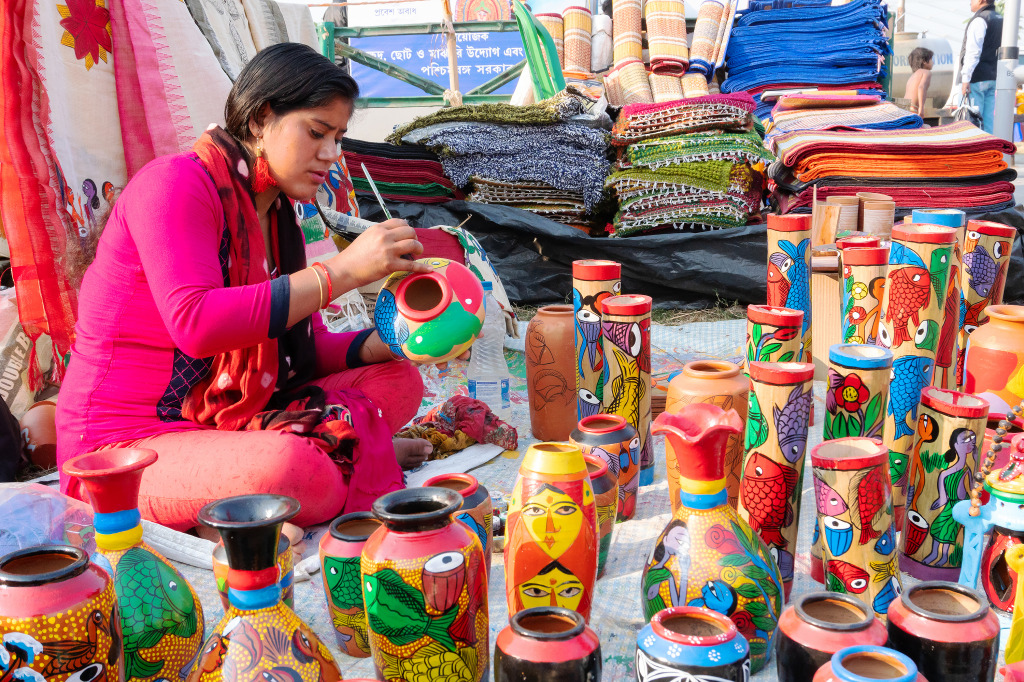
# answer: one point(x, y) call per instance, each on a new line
point(638, 122)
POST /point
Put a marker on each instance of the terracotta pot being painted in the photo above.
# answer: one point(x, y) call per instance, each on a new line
point(39, 434)
point(995, 358)
point(547, 644)
point(686, 642)
point(606, 501)
point(715, 382)
point(54, 600)
point(551, 372)
point(477, 509)
point(862, 663)
point(341, 549)
point(614, 440)
point(948, 630)
point(817, 625)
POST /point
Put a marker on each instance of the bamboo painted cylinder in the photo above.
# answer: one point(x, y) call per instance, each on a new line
point(863, 287)
point(857, 391)
point(986, 259)
point(852, 495)
point(919, 260)
point(789, 269)
point(778, 415)
point(626, 334)
point(950, 428)
point(944, 375)
point(773, 334)
point(592, 282)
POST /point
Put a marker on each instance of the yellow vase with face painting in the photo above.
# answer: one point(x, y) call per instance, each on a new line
point(551, 547)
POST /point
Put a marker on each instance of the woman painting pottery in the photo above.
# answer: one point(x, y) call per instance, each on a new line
point(199, 334)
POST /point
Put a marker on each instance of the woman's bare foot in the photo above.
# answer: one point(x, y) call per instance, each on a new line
point(412, 452)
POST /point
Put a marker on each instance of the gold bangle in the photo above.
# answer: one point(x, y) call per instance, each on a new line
point(320, 284)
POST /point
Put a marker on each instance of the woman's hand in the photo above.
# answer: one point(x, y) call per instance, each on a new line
point(379, 251)
point(374, 350)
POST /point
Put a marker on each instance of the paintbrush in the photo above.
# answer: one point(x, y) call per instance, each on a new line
point(373, 186)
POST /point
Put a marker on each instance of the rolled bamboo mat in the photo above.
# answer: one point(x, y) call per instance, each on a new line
point(554, 26)
point(577, 25)
point(705, 36)
point(666, 36)
point(628, 43)
point(636, 88)
point(613, 89)
point(694, 85)
point(666, 88)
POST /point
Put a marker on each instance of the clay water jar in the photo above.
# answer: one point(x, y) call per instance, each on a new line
point(547, 644)
point(39, 434)
point(688, 642)
point(477, 510)
point(862, 663)
point(551, 372)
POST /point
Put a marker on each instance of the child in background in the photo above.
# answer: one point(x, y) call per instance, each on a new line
point(917, 86)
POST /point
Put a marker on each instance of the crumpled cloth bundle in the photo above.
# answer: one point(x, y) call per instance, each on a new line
point(459, 422)
point(639, 122)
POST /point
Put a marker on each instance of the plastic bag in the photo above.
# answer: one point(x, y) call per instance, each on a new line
point(968, 111)
point(33, 514)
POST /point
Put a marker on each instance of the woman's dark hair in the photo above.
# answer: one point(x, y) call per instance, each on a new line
point(288, 77)
point(918, 56)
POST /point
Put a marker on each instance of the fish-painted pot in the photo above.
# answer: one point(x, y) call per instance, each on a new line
point(864, 663)
point(707, 555)
point(606, 501)
point(592, 282)
point(719, 383)
point(477, 509)
point(995, 358)
point(852, 501)
point(626, 333)
point(920, 258)
point(778, 416)
point(789, 269)
point(614, 440)
point(259, 637)
point(684, 641)
point(950, 426)
point(550, 372)
point(547, 644)
point(341, 549)
point(863, 285)
point(986, 260)
point(430, 317)
point(948, 630)
point(285, 567)
point(425, 589)
point(774, 334)
point(161, 617)
point(816, 626)
point(551, 540)
point(58, 617)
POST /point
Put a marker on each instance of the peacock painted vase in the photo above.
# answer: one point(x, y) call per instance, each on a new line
point(341, 551)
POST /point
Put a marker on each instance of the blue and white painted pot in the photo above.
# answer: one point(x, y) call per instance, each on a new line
point(691, 644)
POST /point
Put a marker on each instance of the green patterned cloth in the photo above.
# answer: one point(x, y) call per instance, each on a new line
point(699, 147)
point(709, 175)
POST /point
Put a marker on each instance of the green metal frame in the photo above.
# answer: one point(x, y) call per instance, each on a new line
point(328, 32)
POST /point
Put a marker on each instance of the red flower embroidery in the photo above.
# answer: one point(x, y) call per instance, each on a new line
point(852, 393)
point(85, 24)
point(847, 272)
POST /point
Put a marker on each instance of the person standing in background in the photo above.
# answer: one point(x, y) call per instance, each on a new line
point(978, 58)
point(920, 80)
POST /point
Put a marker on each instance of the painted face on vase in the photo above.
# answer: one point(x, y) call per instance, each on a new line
point(553, 520)
point(553, 586)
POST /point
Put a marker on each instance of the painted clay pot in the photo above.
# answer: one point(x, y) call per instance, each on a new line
point(606, 502)
point(258, 637)
point(950, 425)
point(986, 260)
point(626, 334)
point(863, 663)
point(58, 616)
point(161, 617)
point(39, 434)
point(551, 538)
point(477, 510)
point(707, 555)
point(285, 567)
point(547, 644)
point(773, 334)
point(341, 549)
point(863, 285)
point(430, 317)
point(425, 589)
point(789, 269)
point(614, 440)
point(948, 630)
point(592, 282)
point(816, 626)
point(858, 542)
point(944, 375)
point(995, 358)
point(549, 372)
point(778, 416)
point(720, 383)
point(687, 642)
point(919, 261)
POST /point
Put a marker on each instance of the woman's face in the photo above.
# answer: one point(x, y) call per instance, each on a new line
point(300, 146)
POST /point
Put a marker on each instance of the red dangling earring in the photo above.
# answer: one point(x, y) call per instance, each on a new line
point(261, 178)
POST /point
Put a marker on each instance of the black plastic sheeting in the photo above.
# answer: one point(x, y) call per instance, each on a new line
point(534, 255)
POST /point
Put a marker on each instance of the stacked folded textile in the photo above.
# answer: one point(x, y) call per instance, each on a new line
point(822, 111)
point(689, 164)
point(400, 173)
point(773, 46)
point(950, 165)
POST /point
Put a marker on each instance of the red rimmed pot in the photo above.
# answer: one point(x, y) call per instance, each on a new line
point(477, 509)
point(995, 358)
point(592, 282)
point(547, 644)
point(855, 241)
point(816, 626)
point(614, 440)
point(863, 285)
point(773, 334)
point(865, 663)
point(948, 630)
point(688, 642)
point(606, 500)
point(340, 550)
